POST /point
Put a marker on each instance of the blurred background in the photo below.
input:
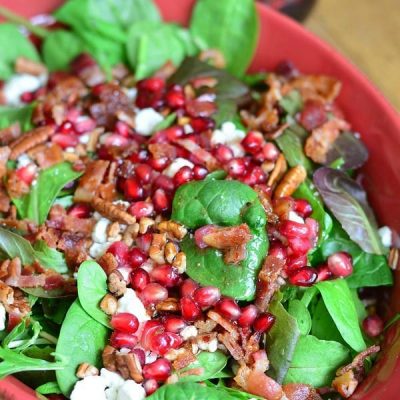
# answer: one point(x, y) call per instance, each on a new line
point(367, 32)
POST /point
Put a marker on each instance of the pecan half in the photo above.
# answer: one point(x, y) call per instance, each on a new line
point(291, 181)
point(112, 211)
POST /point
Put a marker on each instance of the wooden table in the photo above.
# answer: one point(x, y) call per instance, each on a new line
point(367, 32)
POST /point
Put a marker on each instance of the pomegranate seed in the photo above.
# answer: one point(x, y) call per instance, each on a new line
point(122, 128)
point(67, 128)
point(27, 97)
point(120, 251)
point(207, 296)
point(159, 370)
point(303, 208)
point(252, 142)
point(141, 209)
point(166, 275)
point(159, 164)
point(188, 288)
point(164, 182)
point(64, 141)
point(79, 210)
point(299, 246)
point(174, 133)
point(151, 84)
point(264, 322)
point(277, 250)
point(201, 124)
point(237, 167)
point(174, 324)
point(199, 172)
point(141, 156)
point(323, 273)
point(340, 264)
point(133, 190)
point(229, 309)
point(122, 339)
point(153, 293)
point(161, 201)
point(256, 175)
point(293, 229)
point(143, 242)
point(125, 322)
point(313, 229)
point(294, 262)
point(175, 97)
point(150, 92)
point(184, 175)
point(141, 355)
point(373, 325)
point(190, 310)
point(143, 173)
point(150, 329)
point(223, 153)
point(84, 124)
point(287, 69)
point(26, 174)
point(249, 314)
point(150, 386)
point(313, 115)
point(160, 343)
point(139, 279)
point(174, 340)
point(270, 151)
point(136, 257)
point(81, 62)
point(115, 140)
point(200, 233)
point(303, 277)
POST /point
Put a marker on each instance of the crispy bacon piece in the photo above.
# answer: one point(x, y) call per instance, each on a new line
point(267, 282)
point(24, 65)
point(227, 325)
point(15, 186)
point(300, 391)
point(46, 156)
point(184, 359)
point(358, 362)
point(226, 237)
point(266, 202)
point(59, 219)
point(202, 155)
point(4, 154)
point(232, 346)
point(4, 201)
point(159, 150)
point(9, 134)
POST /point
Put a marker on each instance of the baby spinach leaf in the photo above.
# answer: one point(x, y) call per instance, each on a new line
point(350, 149)
point(49, 388)
point(82, 339)
point(348, 202)
point(92, 287)
point(299, 311)
point(14, 245)
point(56, 309)
point(13, 44)
point(340, 305)
point(234, 393)
point(165, 123)
point(14, 362)
point(292, 103)
point(50, 258)
point(59, 48)
point(36, 205)
point(212, 364)
point(256, 79)
point(281, 341)
point(12, 115)
point(235, 34)
point(218, 175)
point(316, 361)
point(225, 203)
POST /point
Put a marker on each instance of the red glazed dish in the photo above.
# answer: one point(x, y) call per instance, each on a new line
point(363, 105)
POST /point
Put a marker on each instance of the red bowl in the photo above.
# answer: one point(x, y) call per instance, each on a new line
point(367, 110)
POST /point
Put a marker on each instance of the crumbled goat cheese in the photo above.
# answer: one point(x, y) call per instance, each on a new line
point(98, 249)
point(131, 93)
point(386, 235)
point(130, 390)
point(23, 160)
point(99, 234)
point(19, 84)
point(230, 136)
point(211, 346)
point(150, 357)
point(2, 317)
point(293, 216)
point(146, 120)
point(188, 332)
point(176, 165)
point(187, 129)
point(91, 387)
point(84, 139)
point(130, 303)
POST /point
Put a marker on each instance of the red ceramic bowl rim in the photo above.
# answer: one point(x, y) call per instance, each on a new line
point(380, 382)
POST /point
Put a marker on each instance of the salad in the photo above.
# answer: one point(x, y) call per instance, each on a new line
point(173, 227)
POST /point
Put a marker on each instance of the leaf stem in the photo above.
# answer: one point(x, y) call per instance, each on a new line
point(17, 19)
point(50, 338)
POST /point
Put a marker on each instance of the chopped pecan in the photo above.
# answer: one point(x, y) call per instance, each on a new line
point(130, 233)
point(30, 140)
point(112, 211)
point(234, 255)
point(128, 365)
point(116, 283)
point(94, 136)
point(345, 384)
point(46, 156)
point(173, 229)
point(291, 181)
point(24, 65)
point(109, 304)
point(184, 359)
point(206, 326)
point(170, 304)
point(9, 134)
point(15, 186)
point(86, 369)
point(278, 171)
point(170, 251)
point(144, 224)
point(180, 262)
point(108, 357)
point(156, 251)
point(91, 180)
point(5, 152)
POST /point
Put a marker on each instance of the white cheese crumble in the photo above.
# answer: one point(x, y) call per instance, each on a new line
point(230, 136)
point(146, 120)
point(84, 139)
point(2, 317)
point(211, 346)
point(130, 93)
point(386, 235)
point(98, 249)
point(176, 165)
point(130, 390)
point(150, 357)
point(99, 234)
point(23, 160)
point(19, 84)
point(188, 332)
point(92, 387)
point(130, 303)
point(293, 216)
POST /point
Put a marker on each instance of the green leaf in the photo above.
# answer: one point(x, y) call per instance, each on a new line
point(49, 388)
point(292, 103)
point(92, 287)
point(11, 115)
point(226, 203)
point(59, 48)
point(50, 258)
point(56, 309)
point(36, 205)
point(339, 302)
point(82, 339)
point(212, 364)
point(281, 341)
point(13, 44)
point(299, 311)
point(14, 362)
point(14, 245)
point(316, 361)
point(218, 175)
point(165, 123)
point(230, 26)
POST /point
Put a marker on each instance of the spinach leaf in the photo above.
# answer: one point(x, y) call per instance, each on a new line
point(13, 44)
point(14, 362)
point(234, 393)
point(218, 175)
point(348, 202)
point(281, 341)
point(92, 287)
point(49, 388)
point(59, 48)
point(299, 311)
point(21, 115)
point(82, 339)
point(292, 103)
point(339, 302)
point(36, 205)
point(55, 309)
point(256, 79)
point(165, 123)
point(235, 34)
point(225, 203)
point(212, 364)
point(350, 149)
point(226, 111)
point(50, 258)
point(316, 361)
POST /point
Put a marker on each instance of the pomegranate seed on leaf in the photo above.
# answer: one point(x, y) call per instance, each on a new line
point(199, 172)
point(263, 322)
point(139, 279)
point(229, 309)
point(340, 264)
point(303, 208)
point(292, 229)
point(125, 322)
point(324, 273)
point(27, 173)
point(184, 175)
